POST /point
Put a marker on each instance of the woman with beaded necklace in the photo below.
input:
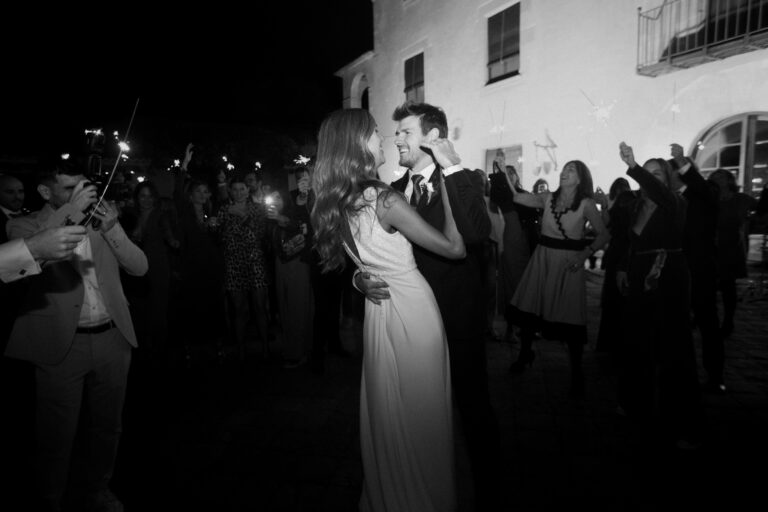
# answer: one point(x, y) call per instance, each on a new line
point(551, 296)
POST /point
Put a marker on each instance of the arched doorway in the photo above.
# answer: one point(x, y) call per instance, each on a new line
point(738, 144)
point(359, 92)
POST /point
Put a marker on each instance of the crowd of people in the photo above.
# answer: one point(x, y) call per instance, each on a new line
point(88, 280)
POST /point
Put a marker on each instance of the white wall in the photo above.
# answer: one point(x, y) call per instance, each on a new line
point(569, 50)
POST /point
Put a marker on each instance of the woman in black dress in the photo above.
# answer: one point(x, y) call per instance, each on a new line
point(616, 210)
point(658, 358)
point(201, 288)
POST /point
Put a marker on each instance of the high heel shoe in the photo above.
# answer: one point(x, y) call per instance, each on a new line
point(525, 357)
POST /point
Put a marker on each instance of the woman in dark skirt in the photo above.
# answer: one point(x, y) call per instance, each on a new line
point(616, 214)
point(658, 370)
point(519, 239)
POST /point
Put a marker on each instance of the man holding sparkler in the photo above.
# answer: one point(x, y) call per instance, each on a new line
point(75, 327)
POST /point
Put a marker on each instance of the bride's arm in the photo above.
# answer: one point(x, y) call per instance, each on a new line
point(393, 211)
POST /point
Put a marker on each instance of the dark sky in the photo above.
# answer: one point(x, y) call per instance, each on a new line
point(270, 65)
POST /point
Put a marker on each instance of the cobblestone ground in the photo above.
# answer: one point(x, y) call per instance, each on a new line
point(258, 437)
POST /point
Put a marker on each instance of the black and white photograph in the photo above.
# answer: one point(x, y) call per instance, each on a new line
point(384, 256)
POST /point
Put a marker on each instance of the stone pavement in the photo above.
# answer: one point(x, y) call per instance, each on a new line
point(257, 437)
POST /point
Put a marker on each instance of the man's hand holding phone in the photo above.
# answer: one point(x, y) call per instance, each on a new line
point(83, 195)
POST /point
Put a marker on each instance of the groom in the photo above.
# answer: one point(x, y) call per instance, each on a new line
point(457, 284)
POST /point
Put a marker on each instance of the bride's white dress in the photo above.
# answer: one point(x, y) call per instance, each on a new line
point(406, 429)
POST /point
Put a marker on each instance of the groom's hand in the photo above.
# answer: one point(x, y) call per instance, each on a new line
point(375, 290)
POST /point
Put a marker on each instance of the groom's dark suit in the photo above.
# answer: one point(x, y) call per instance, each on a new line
point(458, 288)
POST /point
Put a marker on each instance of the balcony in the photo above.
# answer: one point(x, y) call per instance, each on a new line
point(685, 33)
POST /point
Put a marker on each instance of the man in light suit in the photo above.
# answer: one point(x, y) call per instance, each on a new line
point(457, 284)
point(75, 328)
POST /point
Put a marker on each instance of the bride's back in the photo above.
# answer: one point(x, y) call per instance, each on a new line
point(381, 252)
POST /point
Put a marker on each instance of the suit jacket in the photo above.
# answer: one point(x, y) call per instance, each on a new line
point(457, 284)
point(49, 308)
point(3, 232)
point(700, 223)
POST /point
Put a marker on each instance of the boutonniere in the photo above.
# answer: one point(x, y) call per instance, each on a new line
point(430, 191)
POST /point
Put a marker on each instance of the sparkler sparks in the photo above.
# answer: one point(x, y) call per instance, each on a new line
point(301, 160)
point(124, 147)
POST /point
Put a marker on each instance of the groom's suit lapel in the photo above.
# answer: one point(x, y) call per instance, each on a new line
point(434, 183)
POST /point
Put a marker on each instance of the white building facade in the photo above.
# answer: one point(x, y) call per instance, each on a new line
point(548, 81)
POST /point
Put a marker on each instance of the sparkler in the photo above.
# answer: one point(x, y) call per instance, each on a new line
point(257, 165)
point(601, 113)
point(114, 168)
point(95, 131)
point(301, 160)
point(65, 156)
point(230, 167)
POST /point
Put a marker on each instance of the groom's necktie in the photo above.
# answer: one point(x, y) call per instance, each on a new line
point(416, 194)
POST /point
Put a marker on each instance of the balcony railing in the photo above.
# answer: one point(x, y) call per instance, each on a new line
point(686, 33)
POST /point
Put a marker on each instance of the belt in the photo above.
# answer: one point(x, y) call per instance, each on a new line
point(569, 244)
point(658, 251)
point(96, 329)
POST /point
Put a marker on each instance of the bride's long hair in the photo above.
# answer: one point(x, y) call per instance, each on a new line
point(344, 168)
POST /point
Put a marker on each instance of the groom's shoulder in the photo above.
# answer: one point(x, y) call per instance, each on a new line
point(399, 184)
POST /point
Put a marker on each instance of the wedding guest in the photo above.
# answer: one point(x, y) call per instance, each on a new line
point(733, 213)
point(242, 224)
point(520, 227)
point(616, 211)
point(658, 359)
point(292, 270)
point(700, 252)
point(83, 348)
point(201, 266)
point(551, 294)
point(151, 230)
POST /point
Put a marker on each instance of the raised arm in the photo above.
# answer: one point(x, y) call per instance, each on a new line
point(530, 200)
point(129, 256)
point(657, 191)
point(394, 212)
point(181, 176)
point(467, 201)
point(696, 185)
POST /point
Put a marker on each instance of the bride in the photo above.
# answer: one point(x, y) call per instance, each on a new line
point(406, 432)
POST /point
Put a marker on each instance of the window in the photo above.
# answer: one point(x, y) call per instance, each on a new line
point(740, 145)
point(513, 155)
point(504, 44)
point(414, 78)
